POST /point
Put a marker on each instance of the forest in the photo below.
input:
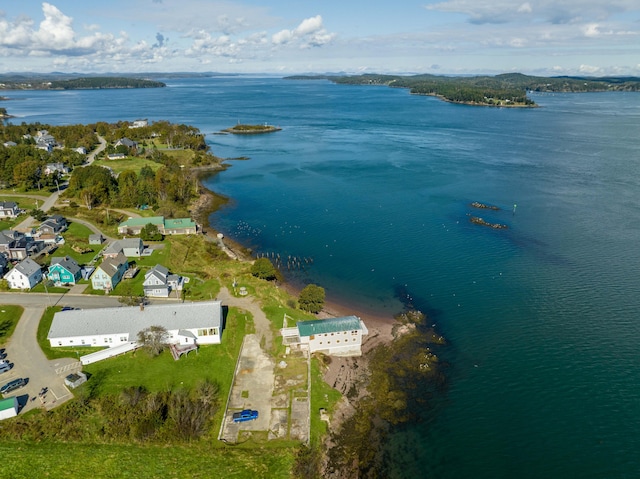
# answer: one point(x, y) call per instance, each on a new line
point(41, 82)
point(167, 153)
point(498, 90)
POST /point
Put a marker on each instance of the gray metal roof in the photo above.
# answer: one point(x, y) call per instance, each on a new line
point(67, 262)
point(27, 267)
point(131, 320)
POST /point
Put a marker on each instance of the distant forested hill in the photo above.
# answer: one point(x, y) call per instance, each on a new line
point(81, 83)
point(509, 89)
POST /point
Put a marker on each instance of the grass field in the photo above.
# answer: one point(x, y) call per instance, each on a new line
point(133, 164)
point(115, 461)
point(9, 316)
point(208, 269)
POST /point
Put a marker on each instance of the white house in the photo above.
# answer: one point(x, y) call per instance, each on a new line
point(8, 408)
point(335, 336)
point(158, 282)
point(25, 275)
point(9, 209)
point(186, 323)
point(52, 168)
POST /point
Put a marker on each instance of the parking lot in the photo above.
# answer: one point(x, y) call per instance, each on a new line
point(29, 362)
point(279, 392)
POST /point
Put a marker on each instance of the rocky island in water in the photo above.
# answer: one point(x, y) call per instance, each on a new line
point(241, 129)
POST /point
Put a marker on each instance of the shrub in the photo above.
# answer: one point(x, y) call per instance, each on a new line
point(312, 298)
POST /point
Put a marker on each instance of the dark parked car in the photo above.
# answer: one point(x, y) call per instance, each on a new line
point(13, 385)
point(245, 415)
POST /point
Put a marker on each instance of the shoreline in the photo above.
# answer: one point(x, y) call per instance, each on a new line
point(210, 202)
point(349, 375)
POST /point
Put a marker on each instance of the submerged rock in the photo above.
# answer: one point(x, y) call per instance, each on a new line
point(476, 220)
point(482, 206)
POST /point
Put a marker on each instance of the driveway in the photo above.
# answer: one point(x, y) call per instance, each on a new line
point(261, 384)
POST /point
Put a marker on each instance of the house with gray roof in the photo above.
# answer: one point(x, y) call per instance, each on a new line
point(334, 336)
point(16, 245)
point(186, 323)
point(64, 270)
point(109, 273)
point(96, 238)
point(158, 282)
point(25, 275)
point(9, 209)
point(124, 141)
point(130, 247)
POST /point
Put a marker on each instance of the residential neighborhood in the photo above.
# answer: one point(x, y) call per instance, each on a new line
point(118, 308)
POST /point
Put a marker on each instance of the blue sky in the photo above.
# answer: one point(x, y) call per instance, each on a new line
point(545, 37)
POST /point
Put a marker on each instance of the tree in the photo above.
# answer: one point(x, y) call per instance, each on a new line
point(38, 214)
point(128, 188)
point(150, 232)
point(263, 268)
point(153, 339)
point(311, 298)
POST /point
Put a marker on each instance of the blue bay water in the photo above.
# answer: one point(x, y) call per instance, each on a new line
point(374, 184)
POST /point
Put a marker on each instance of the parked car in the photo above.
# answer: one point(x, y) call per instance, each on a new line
point(245, 415)
point(13, 385)
point(4, 366)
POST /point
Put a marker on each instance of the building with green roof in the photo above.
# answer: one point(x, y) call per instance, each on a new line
point(169, 226)
point(334, 336)
point(8, 408)
point(133, 226)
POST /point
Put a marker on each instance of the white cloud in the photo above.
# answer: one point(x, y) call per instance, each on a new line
point(310, 33)
point(54, 35)
point(590, 69)
point(591, 30)
point(525, 8)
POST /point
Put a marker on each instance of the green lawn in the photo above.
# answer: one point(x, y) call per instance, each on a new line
point(322, 396)
point(214, 362)
point(9, 316)
point(26, 460)
point(24, 202)
point(76, 235)
point(133, 164)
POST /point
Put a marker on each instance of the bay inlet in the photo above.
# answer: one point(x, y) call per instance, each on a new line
point(375, 185)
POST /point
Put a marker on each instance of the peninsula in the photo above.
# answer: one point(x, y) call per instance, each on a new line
point(506, 90)
point(20, 82)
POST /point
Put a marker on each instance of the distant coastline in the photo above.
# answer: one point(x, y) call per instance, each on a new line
point(507, 90)
point(81, 83)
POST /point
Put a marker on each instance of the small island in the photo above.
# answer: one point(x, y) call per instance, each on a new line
point(476, 220)
point(241, 129)
point(482, 206)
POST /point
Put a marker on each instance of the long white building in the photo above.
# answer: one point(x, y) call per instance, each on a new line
point(186, 323)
